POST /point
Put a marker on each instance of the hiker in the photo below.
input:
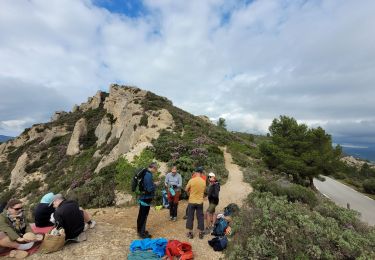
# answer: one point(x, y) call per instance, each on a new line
point(213, 200)
point(69, 216)
point(203, 176)
point(173, 183)
point(13, 226)
point(195, 187)
point(43, 211)
point(145, 200)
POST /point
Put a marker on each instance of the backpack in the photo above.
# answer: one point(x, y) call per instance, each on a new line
point(219, 227)
point(137, 180)
point(218, 243)
point(177, 248)
point(231, 209)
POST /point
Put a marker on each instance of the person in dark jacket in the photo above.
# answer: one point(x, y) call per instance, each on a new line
point(145, 200)
point(213, 199)
point(71, 217)
point(43, 211)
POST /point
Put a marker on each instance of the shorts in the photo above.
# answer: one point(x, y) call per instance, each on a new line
point(211, 208)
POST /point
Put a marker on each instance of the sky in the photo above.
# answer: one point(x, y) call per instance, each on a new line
point(246, 61)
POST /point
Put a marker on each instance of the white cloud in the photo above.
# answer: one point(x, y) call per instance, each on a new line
point(313, 60)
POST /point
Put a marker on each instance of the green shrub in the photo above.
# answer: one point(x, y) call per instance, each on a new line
point(270, 227)
point(99, 191)
point(144, 120)
point(31, 187)
point(34, 166)
point(7, 195)
point(369, 186)
point(293, 192)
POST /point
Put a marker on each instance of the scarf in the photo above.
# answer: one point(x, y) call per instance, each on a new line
point(18, 223)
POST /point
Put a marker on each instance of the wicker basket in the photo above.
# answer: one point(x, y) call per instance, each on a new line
point(52, 243)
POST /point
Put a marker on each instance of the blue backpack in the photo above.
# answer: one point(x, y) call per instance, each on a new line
point(218, 243)
point(219, 228)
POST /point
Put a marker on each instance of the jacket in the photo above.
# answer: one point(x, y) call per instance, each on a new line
point(149, 186)
point(213, 193)
point(6, 227)
point(42, 215)
point(70, 217)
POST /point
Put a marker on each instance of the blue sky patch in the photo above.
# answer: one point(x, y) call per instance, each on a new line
point(130, 8)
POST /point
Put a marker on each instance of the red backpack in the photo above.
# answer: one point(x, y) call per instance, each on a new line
point(181, 249)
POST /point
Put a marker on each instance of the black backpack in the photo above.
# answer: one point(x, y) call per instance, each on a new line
point(218, 243)
point(137, 180)
point(231, 210)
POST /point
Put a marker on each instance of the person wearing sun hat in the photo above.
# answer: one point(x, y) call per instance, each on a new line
point(43, 211)
point(213, 200)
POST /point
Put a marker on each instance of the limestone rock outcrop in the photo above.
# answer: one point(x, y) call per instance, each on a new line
point(55, 131)
point(57, 115)
point(18, 173)
point(124, 105)
point(80, 130)
point(92, 102)
point(102, 130)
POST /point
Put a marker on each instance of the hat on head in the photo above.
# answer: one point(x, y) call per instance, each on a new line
point(47, 198)
point(56, 197)
point(199, 169)
point(211, 174)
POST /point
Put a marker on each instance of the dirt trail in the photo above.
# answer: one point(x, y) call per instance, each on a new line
point(116, 226)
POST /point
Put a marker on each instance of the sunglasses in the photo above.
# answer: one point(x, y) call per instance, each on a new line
point(17, 209)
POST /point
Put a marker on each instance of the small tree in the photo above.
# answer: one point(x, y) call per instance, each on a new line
point(299, 151)
point(221, 123)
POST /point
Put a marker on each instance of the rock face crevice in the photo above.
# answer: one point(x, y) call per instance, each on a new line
point(80, 130)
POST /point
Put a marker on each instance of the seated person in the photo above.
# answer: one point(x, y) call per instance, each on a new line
point(69, 216)
point(13, 227)
point(44, 210)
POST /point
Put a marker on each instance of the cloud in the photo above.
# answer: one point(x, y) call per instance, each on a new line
point(247, 61)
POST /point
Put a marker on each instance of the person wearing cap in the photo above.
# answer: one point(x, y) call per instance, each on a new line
point(195, 188)
point(199, 170)
point(13, 226)
point(43, 211)
point(173, 183)
point(69, 216)
point(145, 199)
point(213, 200)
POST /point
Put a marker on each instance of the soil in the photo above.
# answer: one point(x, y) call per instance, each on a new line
point(116, 227)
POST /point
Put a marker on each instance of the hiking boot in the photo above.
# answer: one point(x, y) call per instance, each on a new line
point(170, 218)
point(145, 235)
point(201, 235)
point(174, 219)
point(185, 217)
point(190, 235)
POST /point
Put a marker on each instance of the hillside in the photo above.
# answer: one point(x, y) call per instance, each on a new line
point(91, 152)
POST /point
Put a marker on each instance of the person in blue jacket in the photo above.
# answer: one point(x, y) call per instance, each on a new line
point(145, 200)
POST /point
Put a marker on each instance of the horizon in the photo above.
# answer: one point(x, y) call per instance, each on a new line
point(245, 61)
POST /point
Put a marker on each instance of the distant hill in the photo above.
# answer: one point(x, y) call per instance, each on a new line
point(4, 138)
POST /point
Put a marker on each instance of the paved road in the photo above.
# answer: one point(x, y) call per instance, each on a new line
point(342, 194)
